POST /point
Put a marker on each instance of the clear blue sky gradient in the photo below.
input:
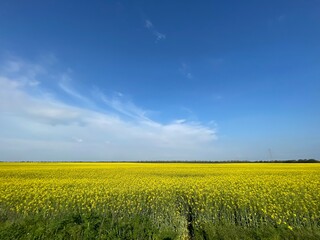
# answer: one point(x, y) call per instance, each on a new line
point(247, 70)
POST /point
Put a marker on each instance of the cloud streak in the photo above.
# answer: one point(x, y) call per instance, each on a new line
point(184, 70)
point(40, 125)
point(159, 36)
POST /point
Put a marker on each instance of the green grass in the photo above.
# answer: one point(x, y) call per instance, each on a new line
point(76, 226)
point(94, 226)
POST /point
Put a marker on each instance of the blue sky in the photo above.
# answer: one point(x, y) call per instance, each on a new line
point(159, 80)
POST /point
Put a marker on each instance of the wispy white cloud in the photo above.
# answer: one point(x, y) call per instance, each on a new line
point(159, 36)
point(282, 18)
point(120, 105)
point(65, 84)
point(184, 70)
point(277, 20)
point(38, 127)
point(148, 24)
point(25, 72)
point(79, 140)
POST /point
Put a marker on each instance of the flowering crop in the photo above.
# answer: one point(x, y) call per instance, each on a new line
point(173, 195)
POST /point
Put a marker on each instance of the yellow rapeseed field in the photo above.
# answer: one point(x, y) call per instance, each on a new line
point(170, 194)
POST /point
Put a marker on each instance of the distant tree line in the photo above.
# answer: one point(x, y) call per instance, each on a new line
point(311, 160)
point(235, 161)
point(294, 161)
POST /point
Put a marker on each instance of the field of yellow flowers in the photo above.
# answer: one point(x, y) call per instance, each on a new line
point(159, 201)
